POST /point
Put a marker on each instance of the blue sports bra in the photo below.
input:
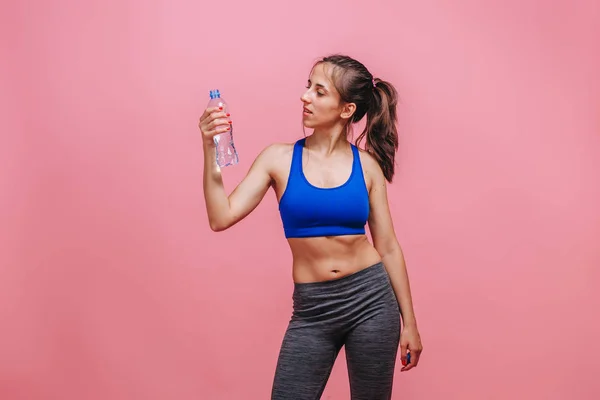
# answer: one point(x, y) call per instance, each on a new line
point(309, 211)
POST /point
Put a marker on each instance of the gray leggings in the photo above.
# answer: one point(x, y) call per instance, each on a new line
point(358, 311)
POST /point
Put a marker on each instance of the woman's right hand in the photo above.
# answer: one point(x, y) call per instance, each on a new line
point(213, 122)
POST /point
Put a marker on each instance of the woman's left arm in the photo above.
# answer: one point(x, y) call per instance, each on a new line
point(386, 243)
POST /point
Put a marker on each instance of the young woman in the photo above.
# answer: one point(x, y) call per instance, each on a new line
point(347, 291)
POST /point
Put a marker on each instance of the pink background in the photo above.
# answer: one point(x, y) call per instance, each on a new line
point(112, 285)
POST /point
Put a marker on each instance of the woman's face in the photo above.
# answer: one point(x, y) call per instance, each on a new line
point(321, 100)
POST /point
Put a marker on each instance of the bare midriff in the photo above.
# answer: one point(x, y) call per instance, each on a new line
point(318, 259)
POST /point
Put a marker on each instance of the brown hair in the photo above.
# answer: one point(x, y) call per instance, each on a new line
point(375, 98)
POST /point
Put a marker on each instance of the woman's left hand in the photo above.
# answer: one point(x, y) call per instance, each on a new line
point(410, 341)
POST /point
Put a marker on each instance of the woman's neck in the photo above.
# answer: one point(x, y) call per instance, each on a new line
point(327, 141)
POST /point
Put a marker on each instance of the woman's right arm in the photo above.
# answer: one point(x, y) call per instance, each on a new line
point(224, 211)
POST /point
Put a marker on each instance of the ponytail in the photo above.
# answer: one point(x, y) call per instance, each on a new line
point(380, 130)
point(374, 98)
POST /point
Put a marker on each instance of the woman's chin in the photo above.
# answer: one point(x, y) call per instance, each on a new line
point(308, 124)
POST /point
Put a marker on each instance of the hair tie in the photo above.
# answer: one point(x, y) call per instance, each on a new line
point(374, 84)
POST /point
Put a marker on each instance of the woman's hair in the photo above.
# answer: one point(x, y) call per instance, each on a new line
point(375, 98)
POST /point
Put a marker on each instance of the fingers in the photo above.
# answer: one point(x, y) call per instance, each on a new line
point(214, 121)
point(412, 360)
point(208, 117)
point(210, 111)
point(215, 128)
point(403, 351)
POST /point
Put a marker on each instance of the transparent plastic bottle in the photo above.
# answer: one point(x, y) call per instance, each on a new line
point(225, 148)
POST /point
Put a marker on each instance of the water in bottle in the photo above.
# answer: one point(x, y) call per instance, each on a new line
point(225, 148)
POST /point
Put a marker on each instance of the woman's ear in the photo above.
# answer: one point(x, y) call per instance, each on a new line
point(348, 110)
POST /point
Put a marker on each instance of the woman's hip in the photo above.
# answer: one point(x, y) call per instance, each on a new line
point(345, 301)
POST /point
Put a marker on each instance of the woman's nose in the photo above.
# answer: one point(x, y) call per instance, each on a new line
point(304, 97)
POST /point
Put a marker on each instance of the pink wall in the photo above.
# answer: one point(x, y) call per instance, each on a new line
point(112, 284)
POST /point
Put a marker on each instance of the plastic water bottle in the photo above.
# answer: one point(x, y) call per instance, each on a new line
point(225, 148)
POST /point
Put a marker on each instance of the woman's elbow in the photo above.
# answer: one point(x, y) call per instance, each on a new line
point(218, 226)
point(391, 248)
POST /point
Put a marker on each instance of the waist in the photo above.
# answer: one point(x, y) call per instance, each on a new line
point(342, 303)
point(325, 258)
point(359, 280)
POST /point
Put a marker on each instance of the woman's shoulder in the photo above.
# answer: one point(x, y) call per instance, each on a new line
point(368, 161)
point(275, 154)
point(371, 169)
point(278, 149)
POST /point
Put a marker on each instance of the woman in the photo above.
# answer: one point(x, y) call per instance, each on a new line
point(347, 291)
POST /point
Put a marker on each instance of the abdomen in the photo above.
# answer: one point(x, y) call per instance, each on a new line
point(330, 257)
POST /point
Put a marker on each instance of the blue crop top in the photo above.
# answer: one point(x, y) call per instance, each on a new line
point(309, 211)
